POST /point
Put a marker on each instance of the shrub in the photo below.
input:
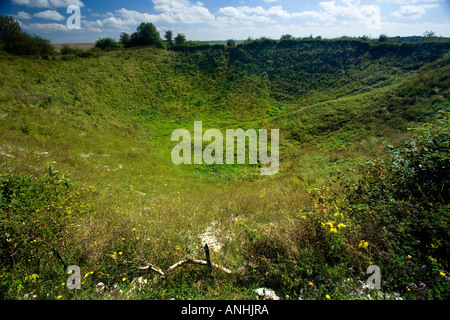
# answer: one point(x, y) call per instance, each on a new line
point(403, 204)
point(107, 44)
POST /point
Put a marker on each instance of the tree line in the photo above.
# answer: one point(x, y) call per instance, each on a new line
point(17, 42)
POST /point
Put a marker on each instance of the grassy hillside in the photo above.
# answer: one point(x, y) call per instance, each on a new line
point(86, 169)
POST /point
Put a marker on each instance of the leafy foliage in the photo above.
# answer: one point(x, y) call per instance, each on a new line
point(146, 35)
point(18, 42)
point(107, 44)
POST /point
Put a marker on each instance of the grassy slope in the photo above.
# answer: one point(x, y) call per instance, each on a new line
point(107, 121)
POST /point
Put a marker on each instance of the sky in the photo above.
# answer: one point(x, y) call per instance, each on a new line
point(231, 19)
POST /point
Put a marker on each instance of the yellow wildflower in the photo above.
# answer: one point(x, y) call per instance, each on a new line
point(339, 214)
point(363, 244)
point(328, 297)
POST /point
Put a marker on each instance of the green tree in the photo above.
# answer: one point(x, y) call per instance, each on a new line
point(169, 36)
point(125, 39)
point(180, 39)
point(9, 28)
point(18, 42)
point(146, 35)
point(383, 38)
point(429, 34)
point(286, 37)
point(231, 43)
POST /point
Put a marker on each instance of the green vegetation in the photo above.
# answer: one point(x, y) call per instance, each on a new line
point(87, 178)
point(146, 35)
point(107, 44)
point(15, 41)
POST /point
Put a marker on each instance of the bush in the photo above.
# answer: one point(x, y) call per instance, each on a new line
point(403, 204)
point(107, 44)
point(25, 44)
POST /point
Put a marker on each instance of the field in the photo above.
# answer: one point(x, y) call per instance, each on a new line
point(87, 177)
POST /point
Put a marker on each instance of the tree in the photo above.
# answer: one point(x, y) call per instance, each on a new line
point(231, 43)
point(286, 37)
point(146, 35)
point(125, 39)
point(383, 38)
point(180, 39)
point(169, 36)
point(9, 28)
point(429, 34)
point(18, 42)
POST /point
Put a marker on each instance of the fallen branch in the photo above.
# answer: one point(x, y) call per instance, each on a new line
point(152, 268)
point(180, 263)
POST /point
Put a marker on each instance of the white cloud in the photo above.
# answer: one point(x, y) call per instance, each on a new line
point(246, 15)
point(45, 27)
point(33, 3)
point(48, 3)
point(23, 15)
point(50, 15)
point(66, 3)
point(413, 11)
point(259, 14)
point(404, 2)
point(169, 11)
point(184, 11)
point(352, 12)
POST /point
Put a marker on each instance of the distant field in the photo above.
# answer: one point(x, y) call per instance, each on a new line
point(84, 46)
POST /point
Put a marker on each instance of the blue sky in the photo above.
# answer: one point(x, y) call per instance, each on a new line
point(232, 19)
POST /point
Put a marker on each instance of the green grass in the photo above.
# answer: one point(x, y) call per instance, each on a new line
point(104, 122)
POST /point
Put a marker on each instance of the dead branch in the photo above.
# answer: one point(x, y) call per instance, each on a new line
point(180, 263)
point(151, 267)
